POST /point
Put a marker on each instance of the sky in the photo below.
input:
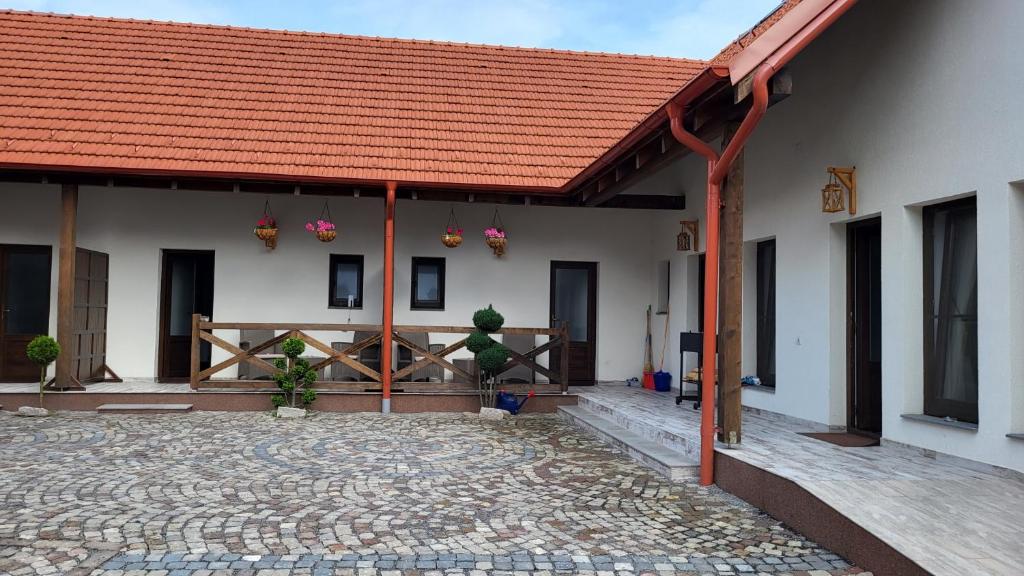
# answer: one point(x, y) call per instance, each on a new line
point(681, 28)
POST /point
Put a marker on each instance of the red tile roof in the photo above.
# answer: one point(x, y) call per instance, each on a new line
point(138, 96)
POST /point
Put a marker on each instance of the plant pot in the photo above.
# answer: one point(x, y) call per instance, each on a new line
point(268, 235)
point(451, 240)
point(497, 244)
point(326, 235)
point(289, 412)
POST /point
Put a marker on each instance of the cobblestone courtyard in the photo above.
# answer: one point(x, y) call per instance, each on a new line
point(244, 493)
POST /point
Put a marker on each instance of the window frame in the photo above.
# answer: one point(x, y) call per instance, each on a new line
point(333, 301)
point(934, 404)
point(765, 330)
point(414, 302)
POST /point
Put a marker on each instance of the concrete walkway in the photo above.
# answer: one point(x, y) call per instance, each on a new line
point(950, 517)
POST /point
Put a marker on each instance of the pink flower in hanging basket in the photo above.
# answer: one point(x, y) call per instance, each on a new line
point(266, 222)
point(493, 232)
point(320, 226)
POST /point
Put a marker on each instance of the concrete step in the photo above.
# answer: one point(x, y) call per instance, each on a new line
point(669, 463)
point(686, 444)
point(144, 408)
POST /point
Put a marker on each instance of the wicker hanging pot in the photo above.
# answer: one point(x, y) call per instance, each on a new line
point(452, 236)
point(266, 227)
point(495, 236)
point(324, 228)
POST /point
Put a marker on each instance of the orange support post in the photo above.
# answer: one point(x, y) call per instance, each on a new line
point(389, 298)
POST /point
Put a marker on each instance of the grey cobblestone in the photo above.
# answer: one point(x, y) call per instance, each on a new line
point(211, 494)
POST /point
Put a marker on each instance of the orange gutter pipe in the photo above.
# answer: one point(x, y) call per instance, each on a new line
point(718, 167)
point(713, 205)
point(389, 298)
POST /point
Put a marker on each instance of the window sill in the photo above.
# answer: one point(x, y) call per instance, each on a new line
point(426, 309)
point(760, 388)
point(1013, 436)
point(941, 421)
point(333, 307)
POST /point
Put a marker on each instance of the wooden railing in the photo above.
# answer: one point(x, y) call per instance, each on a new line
point(254, 355)
point(557, 338)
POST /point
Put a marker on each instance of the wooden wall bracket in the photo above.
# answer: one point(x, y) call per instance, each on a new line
point(691, 228)
point(848, 178)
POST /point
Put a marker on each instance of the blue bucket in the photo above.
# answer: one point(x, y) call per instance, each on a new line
point(662, 381)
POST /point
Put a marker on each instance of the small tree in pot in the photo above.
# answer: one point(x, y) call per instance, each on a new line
point(490, 355)
point(42, 351)
point(293, 373)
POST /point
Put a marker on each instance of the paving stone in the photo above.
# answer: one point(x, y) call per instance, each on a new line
point(206, 494)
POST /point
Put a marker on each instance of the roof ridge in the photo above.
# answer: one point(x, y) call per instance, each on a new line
point(308, 34)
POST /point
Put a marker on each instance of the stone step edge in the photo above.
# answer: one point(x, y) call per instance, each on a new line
point(144, 408)
point(662, 459)
point(630, 422)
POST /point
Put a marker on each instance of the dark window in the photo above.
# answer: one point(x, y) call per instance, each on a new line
point(428, 283)
point(766, 312)
point(951, 310)
point(346, 281)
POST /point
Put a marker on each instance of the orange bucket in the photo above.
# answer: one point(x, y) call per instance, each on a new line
point(649, 380)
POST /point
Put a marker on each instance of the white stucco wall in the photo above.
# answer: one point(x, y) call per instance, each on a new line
point(289, 284)
point(924, 99)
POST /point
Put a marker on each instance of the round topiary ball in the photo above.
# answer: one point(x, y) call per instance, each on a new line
point(42, 350)
point(488, 319)
point(293, 347)
point(492, 359)
point(479, 341)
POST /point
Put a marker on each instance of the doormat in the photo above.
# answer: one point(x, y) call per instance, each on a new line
point(844, 439)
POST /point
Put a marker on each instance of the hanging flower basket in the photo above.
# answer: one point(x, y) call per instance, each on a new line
point(266, 227)
point(324, 228)
point(452, 236)
point(495, 236)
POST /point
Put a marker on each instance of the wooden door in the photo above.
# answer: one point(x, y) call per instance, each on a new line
point(574, 301)
point(864, 327)
point(90, 322)
point(24, 307)
point(186, 289)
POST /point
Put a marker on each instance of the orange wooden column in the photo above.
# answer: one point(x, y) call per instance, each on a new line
point(66, 288)
point(389, 298)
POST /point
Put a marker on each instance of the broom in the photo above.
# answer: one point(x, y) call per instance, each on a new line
point(648, 353)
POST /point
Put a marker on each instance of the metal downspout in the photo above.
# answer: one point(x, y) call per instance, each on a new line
point(713, 213)
point(718, 167)
point(389, 298)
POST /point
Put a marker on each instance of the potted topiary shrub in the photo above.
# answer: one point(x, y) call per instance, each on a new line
point(490, 357)
point(41, 351)
point(295, 377)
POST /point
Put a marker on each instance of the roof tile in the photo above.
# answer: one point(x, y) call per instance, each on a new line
point(118, 94)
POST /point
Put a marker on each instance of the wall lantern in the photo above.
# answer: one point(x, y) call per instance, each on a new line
point(832, 193)
point(687, 238)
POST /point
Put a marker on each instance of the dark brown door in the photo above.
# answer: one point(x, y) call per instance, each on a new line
point(186, 289)
point(24, 308)
point(864, 328)
point(574, 301)
point(90, 339)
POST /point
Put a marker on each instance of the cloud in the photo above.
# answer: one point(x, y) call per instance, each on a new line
point(521, 23)
point(177, 10)
point(682, 28)
point(702, 30)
